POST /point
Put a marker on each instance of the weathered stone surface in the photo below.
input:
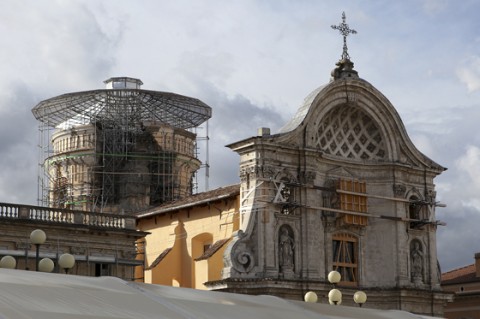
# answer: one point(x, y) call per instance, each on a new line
point(348, 131)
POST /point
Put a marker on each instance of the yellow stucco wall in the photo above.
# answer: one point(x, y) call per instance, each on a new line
point(187, 231)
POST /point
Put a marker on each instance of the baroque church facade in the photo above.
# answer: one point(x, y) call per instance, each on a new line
point(340, 187)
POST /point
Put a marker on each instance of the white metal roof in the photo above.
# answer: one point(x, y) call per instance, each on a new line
point(28, 294)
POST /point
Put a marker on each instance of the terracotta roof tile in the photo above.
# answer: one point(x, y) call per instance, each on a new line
point(213, 249)
point(196, 199)
point(159, 259)
point(460, 275)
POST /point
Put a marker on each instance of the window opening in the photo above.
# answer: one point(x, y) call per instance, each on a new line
point(345, 258)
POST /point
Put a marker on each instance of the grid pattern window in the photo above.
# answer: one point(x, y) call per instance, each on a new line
point(345, 258)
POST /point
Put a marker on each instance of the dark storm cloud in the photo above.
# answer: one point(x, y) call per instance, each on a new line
point(233, 119)
point(18, 145)
point(458, 241)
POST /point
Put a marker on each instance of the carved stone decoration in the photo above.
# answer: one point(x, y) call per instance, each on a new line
point(243, 261)
point(238, 256)
point(431, 196)
point(416, 261)
point(330, 198)
point(399, 190)
point(252, 171)
point(268, 171)
point(286, 193)
point(307, 177)
point(243, 176)
point(286, 249)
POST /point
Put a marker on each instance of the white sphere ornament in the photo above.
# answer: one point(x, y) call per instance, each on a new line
point(335, 296)
point(46, 265)
point(334, 277)
point(38, 237)
point(360, 297)
point(8, 262)
point(311, 297)
point(66, 261)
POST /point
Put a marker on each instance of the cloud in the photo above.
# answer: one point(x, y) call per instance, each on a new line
point(457, 242)
point(449, 136)
point(61, 47)
point(51, 51)
point(468, 167)
point(469, 74)
point(233, 119)
point(434, 6)
point(18, 142)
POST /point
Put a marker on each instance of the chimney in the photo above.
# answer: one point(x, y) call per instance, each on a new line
point(263, 131)
point(477, 265)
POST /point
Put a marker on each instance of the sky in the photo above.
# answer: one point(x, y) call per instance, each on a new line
point(254, 62)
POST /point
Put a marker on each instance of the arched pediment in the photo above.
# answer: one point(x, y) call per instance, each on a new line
point(351, 120)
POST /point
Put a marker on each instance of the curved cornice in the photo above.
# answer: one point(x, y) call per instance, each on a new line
point(356, 93)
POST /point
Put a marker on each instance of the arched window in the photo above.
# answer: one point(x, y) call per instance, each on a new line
point(345, 257)
point(200, 244)
point(415, 212)
point(200, 269)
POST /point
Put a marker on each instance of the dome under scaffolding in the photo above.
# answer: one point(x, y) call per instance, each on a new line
point(121, 149)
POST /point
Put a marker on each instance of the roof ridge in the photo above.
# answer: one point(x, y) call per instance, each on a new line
point(457, 269)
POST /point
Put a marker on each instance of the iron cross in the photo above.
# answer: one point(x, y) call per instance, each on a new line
point(345, 31)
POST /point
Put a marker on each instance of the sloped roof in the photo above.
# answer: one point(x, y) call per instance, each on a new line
point(460, 275)
point(302, 111)
point(30, 294)
point(193, 200)
point(159, 259)
point(213, 249)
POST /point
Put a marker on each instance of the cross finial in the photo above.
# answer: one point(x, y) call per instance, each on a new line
point(345, 31)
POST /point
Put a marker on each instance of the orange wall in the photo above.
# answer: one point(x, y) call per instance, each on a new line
point(186, 231)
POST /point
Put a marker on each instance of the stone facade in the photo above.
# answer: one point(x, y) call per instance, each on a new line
point(102, 244)
point(77, 182)
point(298, 222)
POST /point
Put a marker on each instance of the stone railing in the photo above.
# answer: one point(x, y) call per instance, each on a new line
point(66, 216)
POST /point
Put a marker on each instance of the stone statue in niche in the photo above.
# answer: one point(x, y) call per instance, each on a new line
point(416, 259)
point(286, 249)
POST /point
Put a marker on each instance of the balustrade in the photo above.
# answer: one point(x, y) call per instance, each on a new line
point(65, 216)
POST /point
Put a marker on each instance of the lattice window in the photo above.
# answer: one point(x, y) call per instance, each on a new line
point(349, 132)
point(345, 257)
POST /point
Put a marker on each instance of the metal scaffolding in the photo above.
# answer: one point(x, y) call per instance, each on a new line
point(121, 149)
